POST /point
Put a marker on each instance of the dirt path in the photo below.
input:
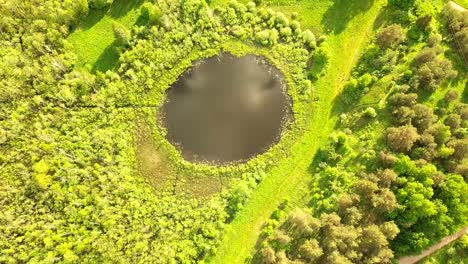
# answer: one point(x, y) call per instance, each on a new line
point(445, 241)
point(457, 6)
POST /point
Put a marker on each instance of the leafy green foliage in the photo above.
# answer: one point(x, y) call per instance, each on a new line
point(321, 61)
point(122, 35)
point(390, 36)
point(68, 151)
point(151, 13)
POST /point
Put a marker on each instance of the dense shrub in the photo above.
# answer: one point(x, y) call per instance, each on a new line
point(320, 60)
point(402, 139)
point(151, 13)
point(121, 34)
point(309, 39)
point(426, 55)
point(390, 36)
point(431, 71)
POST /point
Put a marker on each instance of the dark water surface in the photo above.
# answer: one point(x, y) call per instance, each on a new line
point(226, 109)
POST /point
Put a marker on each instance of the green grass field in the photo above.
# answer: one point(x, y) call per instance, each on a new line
point(93, 40)
point(289, 180)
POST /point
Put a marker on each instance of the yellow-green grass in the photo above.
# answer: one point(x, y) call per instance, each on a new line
point(289, 180)
point(93, 39)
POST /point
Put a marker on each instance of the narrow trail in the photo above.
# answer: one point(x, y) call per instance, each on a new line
point(289, 179)
point(445, 241)
point(457, 6)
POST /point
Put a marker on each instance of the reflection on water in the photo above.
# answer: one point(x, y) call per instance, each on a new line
point(226, 109)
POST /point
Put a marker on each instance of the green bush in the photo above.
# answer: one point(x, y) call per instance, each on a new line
point(320, 60)
point(121, 33)
point(151, 13)
point(267, 37)
point(390, 36)
point(309, 39)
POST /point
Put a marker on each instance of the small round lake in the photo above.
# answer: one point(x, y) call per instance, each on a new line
point(226, 109)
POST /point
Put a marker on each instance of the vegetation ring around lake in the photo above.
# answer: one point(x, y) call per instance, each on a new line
point(148, 68)
point(288, 131)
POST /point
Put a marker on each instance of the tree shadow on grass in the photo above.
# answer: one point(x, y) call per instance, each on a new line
point(121, 7)
point(464, 96)
point(141, 21)
point(341, 12)
point(93, 17)
point(342, 103)
point(107, 60)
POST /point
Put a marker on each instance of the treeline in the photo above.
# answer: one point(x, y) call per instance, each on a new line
point(392, 180)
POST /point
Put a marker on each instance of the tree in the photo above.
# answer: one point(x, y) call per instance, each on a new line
point(453, 192)
point(434, 40)
point(370, 112)
point(309, 39)
point(402, 99)
point(151, 12)
point(426, 55)
point(451, 95)
point(310, 250)
point(453, 121)
point(424, 22)
point(460, 146)
point(390, 230)
point(462, 110)
point(403, 115)
point(375, 244)
point(121, 33)
point(282, 239)
point(390, 36)
point(269, 255)
point(387, 177)
point(267, 37)
point(387, 159)
point(321, 60)
point(402, 139)
point(431, 74)
point(303, 223)
point(423, 118)
point(440, 132)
